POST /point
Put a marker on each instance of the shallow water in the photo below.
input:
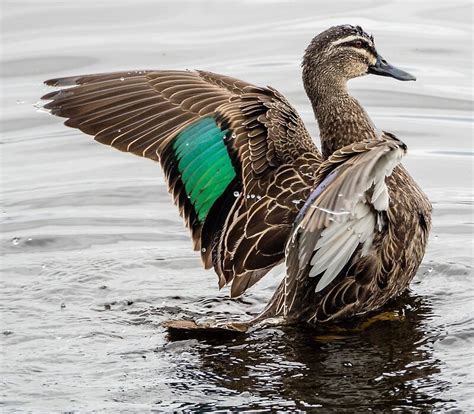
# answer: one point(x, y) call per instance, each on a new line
point(94, 255)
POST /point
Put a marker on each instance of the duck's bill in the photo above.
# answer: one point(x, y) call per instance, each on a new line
point(383, 68)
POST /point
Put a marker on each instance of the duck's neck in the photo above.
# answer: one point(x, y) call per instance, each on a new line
point(341, 118)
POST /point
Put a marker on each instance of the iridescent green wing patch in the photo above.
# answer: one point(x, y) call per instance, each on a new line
point(204, 163)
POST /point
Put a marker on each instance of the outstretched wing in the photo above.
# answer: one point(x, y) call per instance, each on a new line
point(222, 143)
point(337, 225)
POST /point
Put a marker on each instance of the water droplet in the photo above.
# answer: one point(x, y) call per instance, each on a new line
point(20, 102)
point(252, 195)
point(259, 197)
point(119, 131)
point(16, 241)
point(248, 195)
point(234, 135)
point(203, 250)
point(236, 193)
point(340, 195)
point(63, 305)
point(347, 364)
point(436, 237)
point(122, 78)
point(43, 266)
point(428, 271)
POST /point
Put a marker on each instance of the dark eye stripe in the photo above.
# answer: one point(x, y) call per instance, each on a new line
point(364, 45)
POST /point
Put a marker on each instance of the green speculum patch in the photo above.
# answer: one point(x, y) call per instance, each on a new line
point(204, 163)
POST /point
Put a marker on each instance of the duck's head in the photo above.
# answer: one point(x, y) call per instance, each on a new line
point(346, 52)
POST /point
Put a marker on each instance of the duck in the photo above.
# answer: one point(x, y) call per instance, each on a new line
point(254, 190)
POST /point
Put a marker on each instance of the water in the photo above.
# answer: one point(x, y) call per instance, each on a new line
point(95, 256)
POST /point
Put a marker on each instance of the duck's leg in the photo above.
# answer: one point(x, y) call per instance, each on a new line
point(392, 315)
point(338, 332)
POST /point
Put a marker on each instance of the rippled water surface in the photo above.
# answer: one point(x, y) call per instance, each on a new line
point(95, 257)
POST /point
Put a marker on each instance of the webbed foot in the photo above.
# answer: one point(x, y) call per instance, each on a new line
point(338, 332)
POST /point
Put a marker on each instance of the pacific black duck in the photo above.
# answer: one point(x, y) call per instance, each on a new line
point(254, 189)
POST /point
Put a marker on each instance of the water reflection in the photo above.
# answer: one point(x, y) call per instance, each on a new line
point(387, 365)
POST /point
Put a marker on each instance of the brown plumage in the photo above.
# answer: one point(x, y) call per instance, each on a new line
point(269, 168)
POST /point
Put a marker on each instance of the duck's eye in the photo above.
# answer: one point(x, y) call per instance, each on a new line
point(358, 43)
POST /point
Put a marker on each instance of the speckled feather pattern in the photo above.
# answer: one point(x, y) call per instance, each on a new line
point(368, 281)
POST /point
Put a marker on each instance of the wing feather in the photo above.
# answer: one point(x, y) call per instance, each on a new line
point(146, 112)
